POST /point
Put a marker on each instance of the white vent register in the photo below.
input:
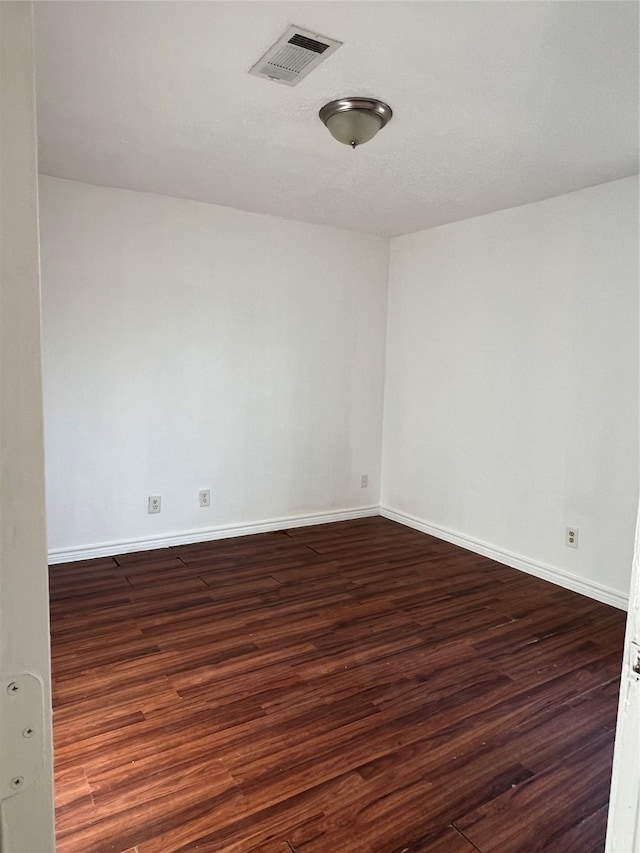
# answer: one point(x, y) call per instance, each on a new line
point(294, 55)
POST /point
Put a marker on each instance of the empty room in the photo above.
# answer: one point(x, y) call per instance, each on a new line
point(321, 427)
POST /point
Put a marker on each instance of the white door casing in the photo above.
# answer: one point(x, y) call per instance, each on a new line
point(623, 830)
point(26, 789)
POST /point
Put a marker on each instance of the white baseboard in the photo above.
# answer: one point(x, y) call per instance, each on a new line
point(206, 534)
point(562, 578)
point(592, 589)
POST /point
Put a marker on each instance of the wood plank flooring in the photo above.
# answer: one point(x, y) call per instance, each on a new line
point(356, 687)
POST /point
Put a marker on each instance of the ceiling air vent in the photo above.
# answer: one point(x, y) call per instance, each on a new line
point(294, 55)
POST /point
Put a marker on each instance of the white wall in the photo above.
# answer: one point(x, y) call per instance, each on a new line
point(189, 346)
point(26, 814)
point(511, 403)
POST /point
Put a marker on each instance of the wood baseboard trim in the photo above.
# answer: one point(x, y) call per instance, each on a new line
point(560, 577)
point(207, 534)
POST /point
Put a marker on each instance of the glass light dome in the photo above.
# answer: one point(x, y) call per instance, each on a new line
point(354, 121)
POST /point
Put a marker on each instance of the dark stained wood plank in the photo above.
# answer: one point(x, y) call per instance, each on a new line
point(74, 803)
point(449, 841)
point(569, 793)
point(357, 686)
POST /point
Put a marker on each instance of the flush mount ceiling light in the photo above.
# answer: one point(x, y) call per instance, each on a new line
point(354, 121)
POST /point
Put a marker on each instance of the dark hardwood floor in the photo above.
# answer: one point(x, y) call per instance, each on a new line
point(349, 688)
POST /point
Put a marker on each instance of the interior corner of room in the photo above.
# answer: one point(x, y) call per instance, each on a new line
point(483, 374)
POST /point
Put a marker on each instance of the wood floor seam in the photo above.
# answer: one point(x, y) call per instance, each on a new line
point(462, 835)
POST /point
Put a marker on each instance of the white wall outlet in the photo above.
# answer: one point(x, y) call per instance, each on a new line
point(571, 537)
point(204, 496)
point(154, 503)
point(364, 481)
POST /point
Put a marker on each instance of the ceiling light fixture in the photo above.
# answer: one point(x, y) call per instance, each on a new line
point(354, 121)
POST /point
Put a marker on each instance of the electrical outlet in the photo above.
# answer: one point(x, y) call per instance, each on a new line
point(154, 503)
point(571, 537)
point(204, 496)
point(364, 481)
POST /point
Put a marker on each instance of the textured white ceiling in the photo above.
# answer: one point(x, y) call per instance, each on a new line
point(495, 104)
